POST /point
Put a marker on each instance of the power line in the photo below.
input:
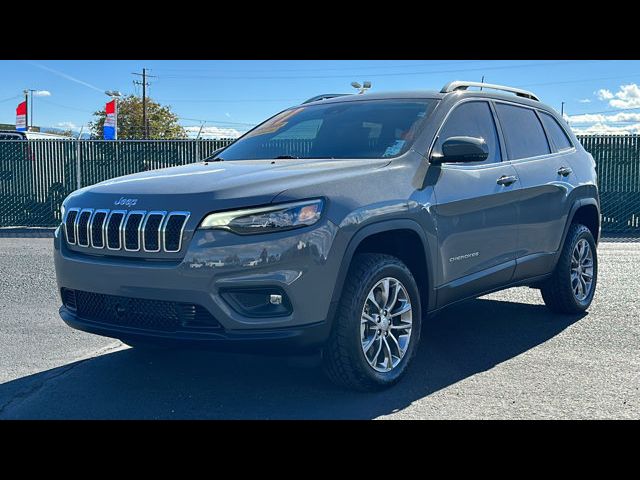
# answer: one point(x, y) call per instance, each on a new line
point(292, 77)
point(66, 106)
point(10, 98)
point(576, 81)
point(320, 69)
point(217, 121)
point(608, 111)
point(182, 100)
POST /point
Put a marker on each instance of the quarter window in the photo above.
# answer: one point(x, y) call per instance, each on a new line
point(523, 132)
point(556, 132)
point(472, 119)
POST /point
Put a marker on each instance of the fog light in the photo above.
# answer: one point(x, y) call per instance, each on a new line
point(258, 302)
point(275, 299)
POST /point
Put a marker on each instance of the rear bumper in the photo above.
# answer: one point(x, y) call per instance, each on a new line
point(304, 338)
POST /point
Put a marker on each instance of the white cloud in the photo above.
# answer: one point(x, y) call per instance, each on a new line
point(600, 118)
point(212, 132)
point(584, 100)
point(604, 94)
point(68, 125)
point(42, 93)
point(227, 114)
point(627, 97)
point(602, 128)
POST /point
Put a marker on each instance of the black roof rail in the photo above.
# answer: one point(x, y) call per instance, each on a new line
point(325, 96)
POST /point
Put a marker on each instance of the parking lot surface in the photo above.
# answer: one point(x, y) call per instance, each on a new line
point(502, 356)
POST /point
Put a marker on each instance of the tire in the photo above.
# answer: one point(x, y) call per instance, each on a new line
point(344, 358)
point(559, 292)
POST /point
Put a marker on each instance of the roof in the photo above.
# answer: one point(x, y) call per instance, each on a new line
point(512, 95)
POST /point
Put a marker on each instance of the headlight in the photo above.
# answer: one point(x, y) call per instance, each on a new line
point(275, 218)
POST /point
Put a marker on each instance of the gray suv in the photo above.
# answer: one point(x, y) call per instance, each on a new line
point(338, 225)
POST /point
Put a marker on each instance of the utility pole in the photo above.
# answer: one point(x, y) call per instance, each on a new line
point(562, 109)
point(144, 75)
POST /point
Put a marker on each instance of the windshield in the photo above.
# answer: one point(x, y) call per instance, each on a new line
point(362, 129)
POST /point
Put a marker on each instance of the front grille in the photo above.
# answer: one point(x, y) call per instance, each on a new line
point(121, 230)
point(151, 232)
point(132, 231)
point(70, 226)
point(83, 228)
point(173, 231)
point(139, 313)
point(113, 230)
point(97, 228)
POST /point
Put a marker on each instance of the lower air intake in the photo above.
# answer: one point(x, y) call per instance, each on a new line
point(144, 314)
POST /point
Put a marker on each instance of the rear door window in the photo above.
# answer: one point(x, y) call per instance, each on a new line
point(556, 133)
point(472, 119)
point(10, 136)
point(523, 132)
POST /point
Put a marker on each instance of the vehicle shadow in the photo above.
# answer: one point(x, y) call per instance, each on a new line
point(465, 339)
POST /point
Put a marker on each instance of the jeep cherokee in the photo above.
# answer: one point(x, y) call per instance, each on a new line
point(338, 225)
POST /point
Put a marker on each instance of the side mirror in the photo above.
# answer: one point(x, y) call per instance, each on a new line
point(214, 154)
point(461, 150)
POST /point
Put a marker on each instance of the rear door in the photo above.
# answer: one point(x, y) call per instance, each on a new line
point(476, 209)
point(538, 148)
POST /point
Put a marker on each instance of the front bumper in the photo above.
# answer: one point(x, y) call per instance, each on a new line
point(296, 262)
point(303, 338)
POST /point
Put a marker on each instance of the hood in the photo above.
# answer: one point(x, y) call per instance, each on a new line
point(229, 184)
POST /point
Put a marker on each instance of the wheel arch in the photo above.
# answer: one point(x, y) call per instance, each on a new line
point(587, 212)
point(399, 229)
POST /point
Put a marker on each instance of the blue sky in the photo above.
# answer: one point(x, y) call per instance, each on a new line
point(233, 95)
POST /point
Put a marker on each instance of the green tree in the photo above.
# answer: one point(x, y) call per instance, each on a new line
point(162, 122)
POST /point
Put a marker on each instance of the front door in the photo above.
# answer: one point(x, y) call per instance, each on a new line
point(476, 210)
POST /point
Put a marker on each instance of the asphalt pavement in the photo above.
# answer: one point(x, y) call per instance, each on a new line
point(502, 356)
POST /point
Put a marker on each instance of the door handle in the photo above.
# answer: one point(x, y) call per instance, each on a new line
point(564, 171)
point(507, 180)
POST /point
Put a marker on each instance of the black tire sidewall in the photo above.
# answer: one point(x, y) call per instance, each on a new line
point(385, 269)
point(584, 234)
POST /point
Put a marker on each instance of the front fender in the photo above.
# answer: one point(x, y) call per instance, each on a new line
point(350, 245)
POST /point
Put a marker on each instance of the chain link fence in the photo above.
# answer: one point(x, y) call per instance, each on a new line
point(618, 164)
point(36, 175)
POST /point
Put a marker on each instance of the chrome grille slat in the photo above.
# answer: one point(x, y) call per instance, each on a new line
point(121, 230)
point(96, 228)
point(82, 226)
point(134, 230)
point(114, 216)
point(150, 233)
point(70, 225)
point(168, 225)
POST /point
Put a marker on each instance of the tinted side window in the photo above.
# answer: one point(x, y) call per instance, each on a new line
point(9, 136)
point(523, 133)
point(556, 132)
point(472, 119)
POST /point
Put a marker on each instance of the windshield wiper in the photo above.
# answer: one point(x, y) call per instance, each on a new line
point(286, 157)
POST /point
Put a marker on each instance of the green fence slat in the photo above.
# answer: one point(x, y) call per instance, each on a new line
point(36, 175)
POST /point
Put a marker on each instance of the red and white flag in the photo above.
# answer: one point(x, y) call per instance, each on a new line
point(110, 122)
point(21, 117)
